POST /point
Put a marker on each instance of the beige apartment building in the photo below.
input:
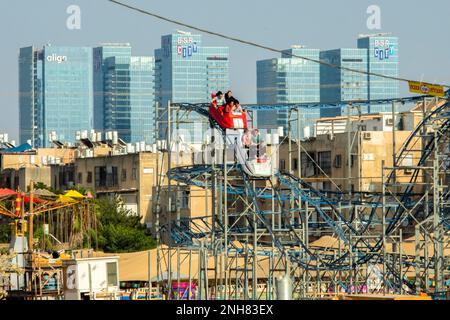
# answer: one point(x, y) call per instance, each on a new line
point(50, 166)
point(349, 155)
point(133, 178)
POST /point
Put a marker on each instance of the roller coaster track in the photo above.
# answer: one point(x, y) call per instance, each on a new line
point(197, 228)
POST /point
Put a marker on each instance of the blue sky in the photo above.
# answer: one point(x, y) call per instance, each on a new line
point(325, 24)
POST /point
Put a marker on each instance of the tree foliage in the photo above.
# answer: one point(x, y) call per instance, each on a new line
point(119, 229)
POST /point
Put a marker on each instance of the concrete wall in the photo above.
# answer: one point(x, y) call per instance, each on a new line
point(38, 158)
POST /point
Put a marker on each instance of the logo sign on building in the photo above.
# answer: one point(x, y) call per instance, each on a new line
point(426, 88)
point(186, 47)
point(383, 50)
point(55, 58)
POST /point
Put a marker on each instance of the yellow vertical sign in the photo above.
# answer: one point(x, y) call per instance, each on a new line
point(426, 88)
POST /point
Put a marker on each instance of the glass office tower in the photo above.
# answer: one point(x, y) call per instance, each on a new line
point(383, 58)
point(56, 93)
point(101, 53)
point(187, 72)
point(338, 85)
point(375, 53)
point(30, 96)
point(289, 80)
point(129, 102)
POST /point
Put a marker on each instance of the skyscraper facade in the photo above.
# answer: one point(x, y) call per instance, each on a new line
point(129, 99)
point(288, 80)
point(187, 72)
point(340, 85)
point(102, 53)
point(383, 57)
point(56, 93)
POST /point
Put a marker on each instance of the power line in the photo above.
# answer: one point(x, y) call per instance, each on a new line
point(257, 45)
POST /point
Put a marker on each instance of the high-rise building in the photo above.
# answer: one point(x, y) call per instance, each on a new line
point(101, 53)
point(70, 89)
point(340, 85)
point(383, 58)
point(289, 80)
point(129, 99)
point(188, 72)
point(376, 54)
point(56, 93)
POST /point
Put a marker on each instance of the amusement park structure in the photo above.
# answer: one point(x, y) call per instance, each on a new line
point(271, 234)
point(44, 227)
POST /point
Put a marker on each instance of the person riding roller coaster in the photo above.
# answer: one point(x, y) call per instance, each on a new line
point(227, 111)
point(226, 103)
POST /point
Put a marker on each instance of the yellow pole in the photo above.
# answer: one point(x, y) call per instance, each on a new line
point(30, 222)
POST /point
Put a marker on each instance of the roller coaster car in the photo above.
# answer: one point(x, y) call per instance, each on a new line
point(259, 168)
point(228, 120)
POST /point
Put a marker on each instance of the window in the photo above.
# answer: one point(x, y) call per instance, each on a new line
point(134, 174)
point(282, 165)
point(325, 161)
point(338, 161)
point(112, 177)
point(354, 160)
point(111, 269)
point(389, 122)
point(124, 174)
point(100, 176)
point(80, 177)
point(185, 197)
point(309, 167)
point(295, 164)
point(89, 177)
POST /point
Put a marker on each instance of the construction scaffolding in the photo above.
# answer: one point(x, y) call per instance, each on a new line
point(282, 238)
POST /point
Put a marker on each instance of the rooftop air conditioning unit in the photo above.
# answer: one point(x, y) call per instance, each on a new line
point(367, 136)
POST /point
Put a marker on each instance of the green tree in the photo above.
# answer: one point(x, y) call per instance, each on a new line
point(5, 232)
point(119, 229)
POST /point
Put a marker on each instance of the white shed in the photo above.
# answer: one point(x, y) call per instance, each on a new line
point(91, 278)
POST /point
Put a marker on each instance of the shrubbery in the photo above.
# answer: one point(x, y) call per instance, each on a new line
point(118, 229)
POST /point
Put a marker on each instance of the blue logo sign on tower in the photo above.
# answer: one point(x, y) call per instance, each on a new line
point(186, 47)
point(383, 49)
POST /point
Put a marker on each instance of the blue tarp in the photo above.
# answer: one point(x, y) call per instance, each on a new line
point(22, 148)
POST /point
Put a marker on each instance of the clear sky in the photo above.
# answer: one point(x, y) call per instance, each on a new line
point(422, 27)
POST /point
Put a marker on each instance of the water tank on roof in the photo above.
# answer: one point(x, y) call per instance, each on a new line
point(275, 139)
point(284, 288)
point(307, 132)
point(281, 131)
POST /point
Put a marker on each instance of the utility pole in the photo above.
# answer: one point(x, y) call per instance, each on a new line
point(30, 222)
